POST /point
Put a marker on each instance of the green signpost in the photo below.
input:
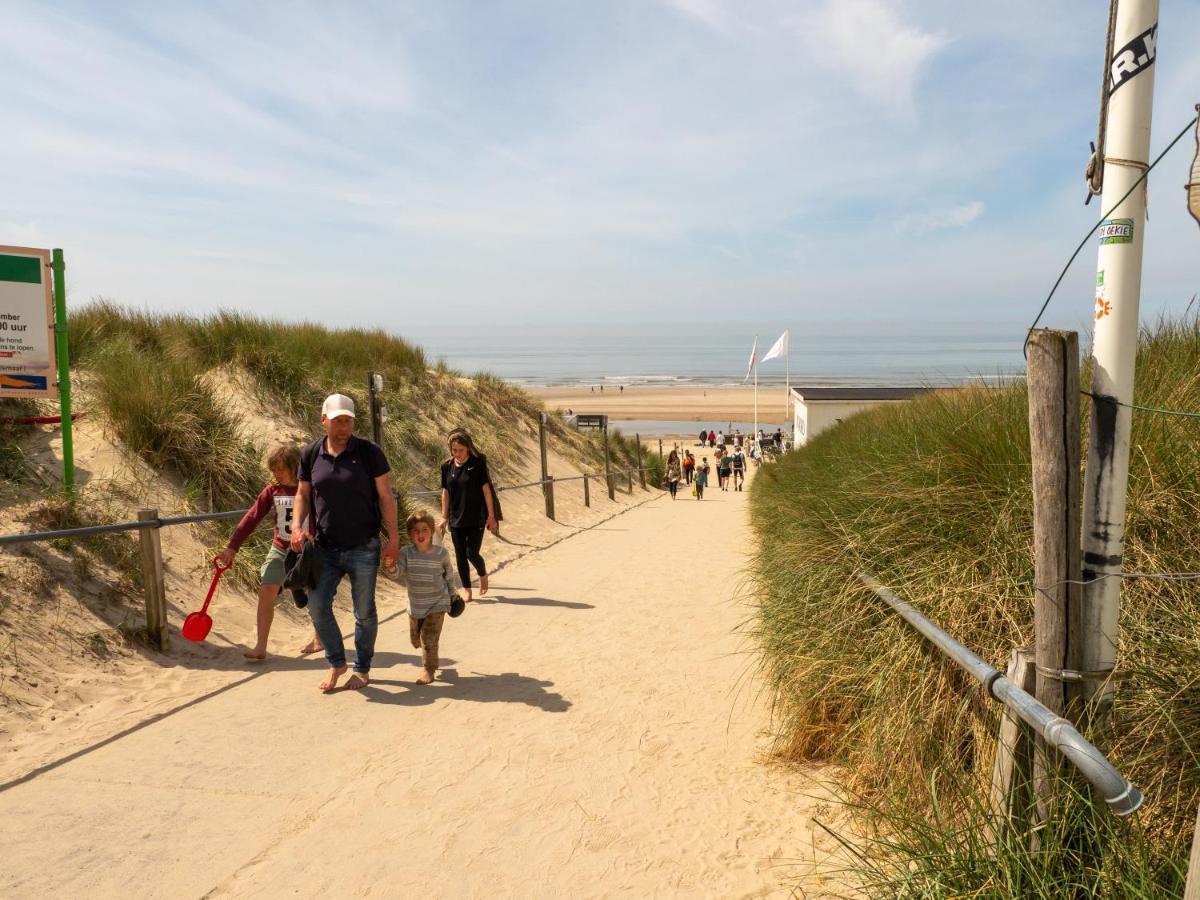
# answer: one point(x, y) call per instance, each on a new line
point(33, 335)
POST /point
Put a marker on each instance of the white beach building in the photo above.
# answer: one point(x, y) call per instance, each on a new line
point(815, 409)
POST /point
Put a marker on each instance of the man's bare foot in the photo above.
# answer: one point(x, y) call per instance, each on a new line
point(358, 681)
point(313, 646)
point(331, 679)
point(482, 585)
point(255, 654)
point(426, 677)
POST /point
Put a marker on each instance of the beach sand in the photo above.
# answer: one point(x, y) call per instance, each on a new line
point(597, 731)
point(700, 404)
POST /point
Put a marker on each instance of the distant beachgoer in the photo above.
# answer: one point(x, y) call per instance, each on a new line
point(592, 389)
point(621, 388)
point(779, 438)
point(703, 436)
point(689, 465)
point(602, 389)
point(720, 438)
point(724, 468)
point(432, 582)
point(279, 497)
point(701, 479)
point(344, 482)
point(468, 506)
point(674, 472)
point(738, 467)
point(712, 438)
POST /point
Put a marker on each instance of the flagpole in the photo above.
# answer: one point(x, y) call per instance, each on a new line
point(787, 390)
point(756, 393)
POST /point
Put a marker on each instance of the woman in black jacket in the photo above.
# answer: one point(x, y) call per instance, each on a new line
point(468, 506)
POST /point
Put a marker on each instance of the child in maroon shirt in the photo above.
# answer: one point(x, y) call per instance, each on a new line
point(279, 498)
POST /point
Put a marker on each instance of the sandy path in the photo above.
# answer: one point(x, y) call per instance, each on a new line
point(595, 735)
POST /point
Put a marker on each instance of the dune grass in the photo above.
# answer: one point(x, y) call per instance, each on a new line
point(934, 498)
point(151, 376)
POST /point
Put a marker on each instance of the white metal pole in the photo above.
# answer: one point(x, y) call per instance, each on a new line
point(787, 389)
point(756, 389)
point(1118, 289)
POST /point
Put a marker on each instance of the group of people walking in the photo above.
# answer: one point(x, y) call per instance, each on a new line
point(730, 466)
point(331, 502)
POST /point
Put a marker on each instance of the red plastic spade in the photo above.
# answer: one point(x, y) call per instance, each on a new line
point(197, 625)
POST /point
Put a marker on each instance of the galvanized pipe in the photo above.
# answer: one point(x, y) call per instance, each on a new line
point(1122, 797)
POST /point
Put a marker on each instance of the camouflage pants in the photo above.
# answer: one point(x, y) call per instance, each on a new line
point(424, 634)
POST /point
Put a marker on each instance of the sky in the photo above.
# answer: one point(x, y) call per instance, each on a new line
point(427, 166)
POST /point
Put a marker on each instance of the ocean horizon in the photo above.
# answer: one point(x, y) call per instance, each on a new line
point(832, 354)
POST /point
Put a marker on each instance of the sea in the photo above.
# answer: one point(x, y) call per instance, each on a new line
point(820, 354)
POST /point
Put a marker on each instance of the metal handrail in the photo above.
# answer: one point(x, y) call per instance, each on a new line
point(163, 521)
point(1121, 795)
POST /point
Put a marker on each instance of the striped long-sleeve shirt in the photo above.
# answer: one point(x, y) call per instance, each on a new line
point(430, 578)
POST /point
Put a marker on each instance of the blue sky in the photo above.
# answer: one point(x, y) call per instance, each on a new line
point(418, 165)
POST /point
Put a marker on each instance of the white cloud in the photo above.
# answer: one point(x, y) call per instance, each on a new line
point(948, 217)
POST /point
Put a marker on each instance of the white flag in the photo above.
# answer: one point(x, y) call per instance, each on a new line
point(780, 348)
point(753, 354)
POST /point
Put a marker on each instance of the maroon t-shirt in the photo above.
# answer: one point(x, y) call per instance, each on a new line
point(277, 498)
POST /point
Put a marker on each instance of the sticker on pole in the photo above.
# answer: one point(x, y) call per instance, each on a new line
point(1116, 231)
point(27, 362)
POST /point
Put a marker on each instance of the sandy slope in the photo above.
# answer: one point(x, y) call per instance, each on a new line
point(595, 734)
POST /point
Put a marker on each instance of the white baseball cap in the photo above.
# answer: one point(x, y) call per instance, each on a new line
point(337, 405)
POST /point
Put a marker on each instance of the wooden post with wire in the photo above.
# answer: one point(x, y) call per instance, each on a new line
point(641, 468)
point(608, 475)
point(1054, 425)
point(587, 491)
point(153, 583)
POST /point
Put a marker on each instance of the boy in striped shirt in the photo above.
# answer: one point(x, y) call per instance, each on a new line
point(432, 580)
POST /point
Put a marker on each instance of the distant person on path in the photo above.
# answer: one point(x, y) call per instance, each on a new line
point(703, 436)
point(621, 388)
point(712, 438)
point(717, 457)
point(279, 498)
point(778, 438)
point(674, 473)
point(701, 479)
point(344, 483)
point(432, 583)
point(724, 468)
point(689, 465)
point(738, 467)
point(468, 506)
point(720, 438)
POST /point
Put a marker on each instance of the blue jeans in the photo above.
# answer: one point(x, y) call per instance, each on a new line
point(362, 565)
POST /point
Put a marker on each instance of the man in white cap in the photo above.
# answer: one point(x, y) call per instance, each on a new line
point(344, 482)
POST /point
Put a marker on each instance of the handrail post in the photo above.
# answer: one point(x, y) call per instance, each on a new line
point(587, 492)
point(547, 481)
point(152, 580)
point(608, 476)
point(1012, 771)
point(641, 468)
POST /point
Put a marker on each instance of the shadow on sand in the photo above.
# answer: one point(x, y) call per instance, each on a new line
point(508, 687)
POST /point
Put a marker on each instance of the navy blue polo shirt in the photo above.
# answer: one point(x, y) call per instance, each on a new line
point(345, 501)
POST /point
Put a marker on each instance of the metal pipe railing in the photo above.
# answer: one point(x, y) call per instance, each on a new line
point(161, 522)
point(1121, 795)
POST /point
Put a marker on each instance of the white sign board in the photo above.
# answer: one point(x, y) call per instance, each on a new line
point(27, 367)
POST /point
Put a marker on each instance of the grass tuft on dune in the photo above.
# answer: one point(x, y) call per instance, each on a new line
point(934, 498)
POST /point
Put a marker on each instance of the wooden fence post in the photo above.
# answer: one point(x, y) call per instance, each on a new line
point(608, 476)
point(1192, 890)
point(1053, 384)
point(660, 453)
point(152, 580)
point(1012, 772)
point(547, 481)
point(641, 468)
point(587, 491)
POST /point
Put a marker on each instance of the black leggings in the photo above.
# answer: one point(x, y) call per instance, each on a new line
point(467, 542)
point(674, 486)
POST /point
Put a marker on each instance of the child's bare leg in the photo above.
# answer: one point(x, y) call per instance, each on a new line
point(266, 615)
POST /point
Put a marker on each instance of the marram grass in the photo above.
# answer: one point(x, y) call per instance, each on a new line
point(933, 497)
